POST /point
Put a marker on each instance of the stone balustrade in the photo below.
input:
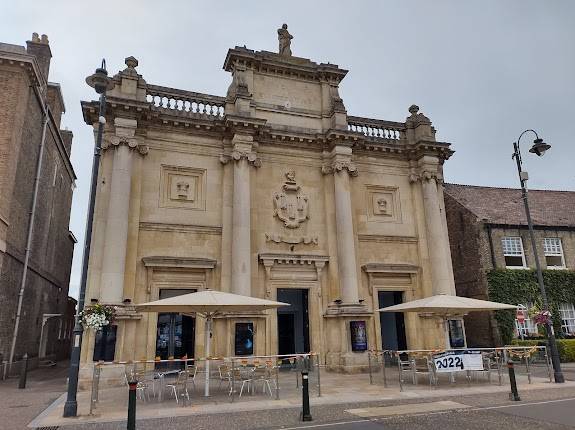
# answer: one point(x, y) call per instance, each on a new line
point(376, 128)
point(187, 103)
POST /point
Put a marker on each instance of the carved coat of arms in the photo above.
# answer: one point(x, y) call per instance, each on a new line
point(290, 204)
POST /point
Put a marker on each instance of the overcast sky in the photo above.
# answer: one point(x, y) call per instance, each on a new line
point(482, 71)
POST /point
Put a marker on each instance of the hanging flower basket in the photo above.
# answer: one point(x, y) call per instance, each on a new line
point(97, 316)
point(543, 318)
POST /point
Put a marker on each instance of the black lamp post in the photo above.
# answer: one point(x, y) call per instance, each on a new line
point(539, 148)
point(101, 83)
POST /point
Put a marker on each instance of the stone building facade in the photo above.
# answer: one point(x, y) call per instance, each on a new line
point(272, 191)
point(44, 327)
point(488, 230)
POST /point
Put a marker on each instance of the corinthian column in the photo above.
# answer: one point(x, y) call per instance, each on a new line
point(116, 236)
point(342, 168)
point(437, 240)
point(242, 157)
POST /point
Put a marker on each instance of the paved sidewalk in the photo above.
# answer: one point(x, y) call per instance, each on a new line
point(337, 389)
point(19, 407)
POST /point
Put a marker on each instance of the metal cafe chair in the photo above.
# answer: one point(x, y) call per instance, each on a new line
point(263, 375)
point(244, 376)
point(225, 375)
point(180, 386)
point(192, 371)
point(423, 366)
point(141, 389)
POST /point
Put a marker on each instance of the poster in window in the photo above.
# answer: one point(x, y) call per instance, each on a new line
point(456, 334)
point(358, 335)
point(244, 341)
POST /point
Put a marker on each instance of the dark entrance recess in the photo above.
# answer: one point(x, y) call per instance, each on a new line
point(393, 323)
point(175, 332)
point(105, 343)
point(293, 321)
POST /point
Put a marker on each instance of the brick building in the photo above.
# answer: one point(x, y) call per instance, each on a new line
point(488, 230)
point(45, 325)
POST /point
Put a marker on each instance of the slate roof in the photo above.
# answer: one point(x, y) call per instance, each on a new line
point(504, 205)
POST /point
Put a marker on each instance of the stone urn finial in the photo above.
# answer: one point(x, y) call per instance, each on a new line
point(413, 109)
point(131, 62)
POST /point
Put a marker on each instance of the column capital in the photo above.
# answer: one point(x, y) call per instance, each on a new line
point(339, 160)
point(235, 155)
point(425, 175)
point(132, 143)
point(125, 134)
point(339, 166)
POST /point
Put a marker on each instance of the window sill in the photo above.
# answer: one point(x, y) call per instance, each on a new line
point(517, 267)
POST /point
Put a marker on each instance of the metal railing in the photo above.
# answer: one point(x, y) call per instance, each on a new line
point(274, 366)
point(413, 363)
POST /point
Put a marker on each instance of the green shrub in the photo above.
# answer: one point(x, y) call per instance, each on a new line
point(566, 347)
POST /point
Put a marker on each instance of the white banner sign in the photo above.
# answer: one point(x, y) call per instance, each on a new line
point(457, 361)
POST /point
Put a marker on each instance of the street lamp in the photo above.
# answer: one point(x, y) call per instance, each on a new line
point(101, 83)
point(539, 148)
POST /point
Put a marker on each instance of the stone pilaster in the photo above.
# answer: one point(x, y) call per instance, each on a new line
point(116, 236)
point(242, 156)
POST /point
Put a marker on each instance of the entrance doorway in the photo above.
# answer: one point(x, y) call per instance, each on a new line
point(393, 323)
point(293, 321)
point(176, 333)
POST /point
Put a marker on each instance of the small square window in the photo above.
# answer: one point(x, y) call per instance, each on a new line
point(553, 253)
point(513, 252)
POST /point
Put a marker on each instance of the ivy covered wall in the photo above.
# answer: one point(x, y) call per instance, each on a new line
point(520, 286)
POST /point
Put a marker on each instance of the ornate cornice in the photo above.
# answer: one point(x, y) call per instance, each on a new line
point(272, 63)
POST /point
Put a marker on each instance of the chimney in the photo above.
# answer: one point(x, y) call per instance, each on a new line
point(40, 48)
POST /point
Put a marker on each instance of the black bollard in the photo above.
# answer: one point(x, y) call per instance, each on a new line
point(305, 413)
point(514, 395)
point(132, 405)
point(23, 372)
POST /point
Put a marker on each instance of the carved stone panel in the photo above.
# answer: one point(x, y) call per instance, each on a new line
point(383, 204)
point(182, 187)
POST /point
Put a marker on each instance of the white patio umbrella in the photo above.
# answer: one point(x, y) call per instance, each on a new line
point(447, 306)
point(209, 303)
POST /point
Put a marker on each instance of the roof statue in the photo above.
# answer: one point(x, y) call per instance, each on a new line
point(284, 41)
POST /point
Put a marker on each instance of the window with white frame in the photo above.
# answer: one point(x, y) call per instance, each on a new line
point(553, 253)
point(513, 252)
point(528, 327)
point(567, 314)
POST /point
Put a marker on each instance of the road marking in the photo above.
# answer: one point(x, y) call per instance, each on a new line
point(340, 423)
point(542, 402)
point(410, 408)
point(466, 408)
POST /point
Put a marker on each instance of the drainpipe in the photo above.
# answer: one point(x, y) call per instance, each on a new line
point(44, 107)
point(491, 249)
